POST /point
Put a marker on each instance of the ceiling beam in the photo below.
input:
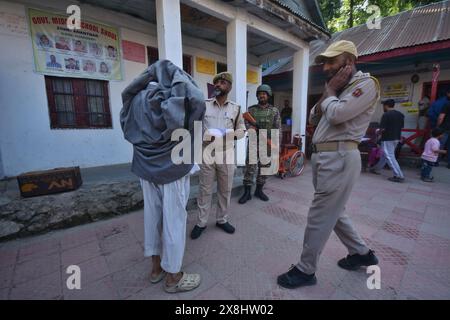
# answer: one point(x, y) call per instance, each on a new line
point(257, 25)
point(276, 55)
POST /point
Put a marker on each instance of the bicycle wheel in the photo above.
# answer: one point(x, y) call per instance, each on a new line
point(297, 164)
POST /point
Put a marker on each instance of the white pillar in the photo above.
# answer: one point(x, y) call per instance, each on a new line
point(168, 20)
point(237, 65)
point(300, 93)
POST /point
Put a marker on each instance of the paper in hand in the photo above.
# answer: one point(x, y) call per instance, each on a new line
point(218, 132)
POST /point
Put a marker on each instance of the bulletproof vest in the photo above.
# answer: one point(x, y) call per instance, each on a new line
point(264, 117)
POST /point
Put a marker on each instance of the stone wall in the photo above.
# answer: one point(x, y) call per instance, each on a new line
point(26, 216)
point(93, 201)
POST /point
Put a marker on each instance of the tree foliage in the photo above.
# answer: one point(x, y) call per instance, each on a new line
point(343, 14)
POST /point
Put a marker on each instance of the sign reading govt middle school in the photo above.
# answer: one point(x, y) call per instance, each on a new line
point(90, 52)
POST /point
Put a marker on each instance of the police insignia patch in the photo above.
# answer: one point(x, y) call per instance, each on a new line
point(357, 93)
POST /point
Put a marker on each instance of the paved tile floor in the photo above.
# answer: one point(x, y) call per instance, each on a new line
point(408, 225)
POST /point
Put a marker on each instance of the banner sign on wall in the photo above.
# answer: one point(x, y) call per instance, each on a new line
point(90, 52)
point(133, 51)
point(252, 77)
point(399, 92)
point(205, 66)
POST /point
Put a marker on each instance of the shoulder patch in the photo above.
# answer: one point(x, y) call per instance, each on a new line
point(357, 93)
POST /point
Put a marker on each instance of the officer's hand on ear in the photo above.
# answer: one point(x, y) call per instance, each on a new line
point(340, 79)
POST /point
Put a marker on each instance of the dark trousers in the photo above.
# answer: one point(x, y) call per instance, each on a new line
point(446, 143)
point(427, 167)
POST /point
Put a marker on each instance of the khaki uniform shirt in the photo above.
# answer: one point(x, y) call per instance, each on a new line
point(228, 116)
point(346, 118)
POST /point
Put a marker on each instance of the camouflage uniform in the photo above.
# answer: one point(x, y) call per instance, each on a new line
point(266, 118)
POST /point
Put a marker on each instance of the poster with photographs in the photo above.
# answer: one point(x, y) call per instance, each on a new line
point(90, 52)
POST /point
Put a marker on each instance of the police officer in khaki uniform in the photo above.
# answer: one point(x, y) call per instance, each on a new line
point(267, 117)
point(222, 115)
point(342, 116)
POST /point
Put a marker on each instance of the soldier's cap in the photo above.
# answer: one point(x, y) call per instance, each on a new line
point(223, 76)
point(337, 48)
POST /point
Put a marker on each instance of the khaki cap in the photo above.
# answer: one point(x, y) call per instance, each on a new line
point(223, 76)
point(337, 48)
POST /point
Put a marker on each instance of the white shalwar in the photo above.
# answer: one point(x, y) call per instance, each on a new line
point(165, 221)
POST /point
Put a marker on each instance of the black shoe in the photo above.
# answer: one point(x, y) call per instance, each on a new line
point(396, 179)
point(260, 194)
point(197, 232)
point(228, 228)
point(247, 195)
point(374, 171)
point(355, 261)
point(295, 278)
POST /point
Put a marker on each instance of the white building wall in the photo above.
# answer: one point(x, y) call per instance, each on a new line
point(26, 141)
point(416, 93)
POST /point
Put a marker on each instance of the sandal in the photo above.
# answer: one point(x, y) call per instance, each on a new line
point(188, 281)
point(158, 278)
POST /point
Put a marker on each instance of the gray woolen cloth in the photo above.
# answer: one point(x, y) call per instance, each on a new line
point(153, 107)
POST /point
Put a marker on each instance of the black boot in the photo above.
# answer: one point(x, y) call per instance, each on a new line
point(260, 194)
point(247, 195)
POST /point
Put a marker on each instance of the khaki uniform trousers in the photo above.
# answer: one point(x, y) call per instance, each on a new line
point(334, 175)
point(224, 174)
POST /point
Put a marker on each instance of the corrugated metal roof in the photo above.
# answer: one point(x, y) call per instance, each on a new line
point(422, 25)
point(308, 11)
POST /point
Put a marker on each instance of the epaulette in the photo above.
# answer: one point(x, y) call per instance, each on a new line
point(377, 83)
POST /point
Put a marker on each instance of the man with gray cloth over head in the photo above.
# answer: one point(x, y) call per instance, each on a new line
point(161, 100)
point(342, 116)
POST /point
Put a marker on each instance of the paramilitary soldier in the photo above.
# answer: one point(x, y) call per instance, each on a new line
point(342, 116)
point(267, 117)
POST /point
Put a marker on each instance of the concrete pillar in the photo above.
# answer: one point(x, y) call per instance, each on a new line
point(300, 93)
point(168, 20)
point(237, 65)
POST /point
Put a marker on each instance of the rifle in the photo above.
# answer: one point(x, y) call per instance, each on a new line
point(249, 118)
